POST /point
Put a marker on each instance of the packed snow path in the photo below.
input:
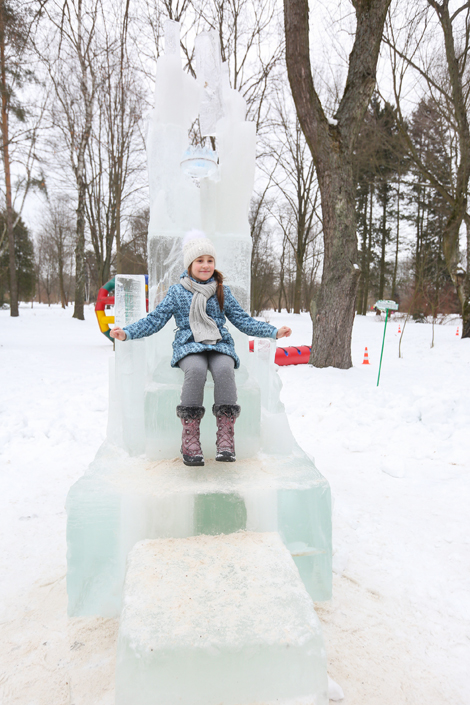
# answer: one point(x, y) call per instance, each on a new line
point(397, 457)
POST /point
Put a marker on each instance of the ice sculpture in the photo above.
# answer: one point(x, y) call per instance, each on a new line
point(211, 620)
point(130, 364)
point(137, 487)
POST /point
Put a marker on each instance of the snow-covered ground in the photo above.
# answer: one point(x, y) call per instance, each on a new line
point(398, 461)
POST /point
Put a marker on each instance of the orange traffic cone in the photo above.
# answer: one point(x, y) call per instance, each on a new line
point(457, 333)
point(366, 358)
point(399, 329)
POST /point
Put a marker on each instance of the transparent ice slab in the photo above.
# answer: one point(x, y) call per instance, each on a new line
point(123, 500)
point(129, 369)
point(129, 299)
point(210, 620)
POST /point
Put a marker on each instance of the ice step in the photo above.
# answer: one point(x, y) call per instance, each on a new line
point(163, 427)
point(218, 619)
point(123, 500)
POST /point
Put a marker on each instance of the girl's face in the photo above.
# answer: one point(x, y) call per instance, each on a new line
point(202, 268)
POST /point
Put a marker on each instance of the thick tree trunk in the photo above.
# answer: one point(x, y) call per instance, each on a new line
point(332, 147)
point(331, 345)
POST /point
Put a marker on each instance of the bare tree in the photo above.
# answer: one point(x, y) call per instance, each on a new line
point(46, 267)
point(115, 154)
point(332, 143)
point(71, 60)
point(263, 266)
point(445, 78)
point(296, 202)
point(56, 243)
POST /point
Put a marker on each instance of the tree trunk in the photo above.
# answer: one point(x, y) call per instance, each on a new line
point(464, 296)
point(331, 344)
point(282, 289)
point(383, 243)
point(299, 268)
point(14, 311)
point(61, 281)
point(397, 241)
point(332, 148)
point(361, 287)
point(297, 289)
point(369, 251)
point(78, 311)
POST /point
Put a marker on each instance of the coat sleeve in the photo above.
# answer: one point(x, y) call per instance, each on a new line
point(154, 321)
point(243, 321)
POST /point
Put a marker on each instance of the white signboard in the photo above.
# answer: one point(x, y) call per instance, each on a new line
point(384, 305)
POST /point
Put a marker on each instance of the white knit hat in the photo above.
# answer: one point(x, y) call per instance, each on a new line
point(195, 244)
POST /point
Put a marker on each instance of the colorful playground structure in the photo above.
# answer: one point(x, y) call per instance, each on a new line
point(104, 301)
point(284, 356)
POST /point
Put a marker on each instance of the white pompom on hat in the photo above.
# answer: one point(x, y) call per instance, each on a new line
point(196, 244)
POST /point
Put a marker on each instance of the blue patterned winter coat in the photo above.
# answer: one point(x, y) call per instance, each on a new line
point(177, 303)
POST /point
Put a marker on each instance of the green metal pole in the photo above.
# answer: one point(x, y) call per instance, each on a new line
point(383, 343)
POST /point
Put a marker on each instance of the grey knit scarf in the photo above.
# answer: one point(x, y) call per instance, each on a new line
point(204, 328)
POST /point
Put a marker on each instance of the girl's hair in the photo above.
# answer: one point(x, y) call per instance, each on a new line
point(219, 278)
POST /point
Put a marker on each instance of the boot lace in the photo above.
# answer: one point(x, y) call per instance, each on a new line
point(190, 441)
point(225, 434)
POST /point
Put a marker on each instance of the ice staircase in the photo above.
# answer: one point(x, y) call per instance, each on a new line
point(123, 500)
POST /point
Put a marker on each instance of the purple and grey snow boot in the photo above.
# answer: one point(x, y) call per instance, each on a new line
point(226, 415)
point(190, 444)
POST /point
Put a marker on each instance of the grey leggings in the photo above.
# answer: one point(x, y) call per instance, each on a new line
point(195, 368)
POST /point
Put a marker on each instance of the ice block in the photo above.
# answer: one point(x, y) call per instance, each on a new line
point(210, 620)
point(123, 500)
point(129, 366)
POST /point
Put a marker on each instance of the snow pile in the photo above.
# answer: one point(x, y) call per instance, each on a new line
point(397, 459)
point(396, 456)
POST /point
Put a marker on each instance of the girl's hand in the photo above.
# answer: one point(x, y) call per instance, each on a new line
point(117, 333)
point(283, 332)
